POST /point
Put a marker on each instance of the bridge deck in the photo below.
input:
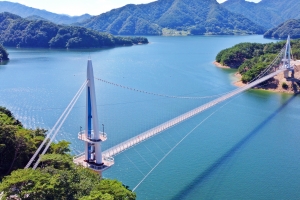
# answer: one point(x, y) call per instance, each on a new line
point(158, 129)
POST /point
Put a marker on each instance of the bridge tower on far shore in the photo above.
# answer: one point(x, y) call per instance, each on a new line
point(92, 137)
point(287, 59)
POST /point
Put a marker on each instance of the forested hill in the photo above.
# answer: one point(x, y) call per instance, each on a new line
point(290, 27)
point(266, 13)
point(196, 17)
point(252, 58)
point(3, 53)
point(56, 177)
point(25, 11)
point(19, 32)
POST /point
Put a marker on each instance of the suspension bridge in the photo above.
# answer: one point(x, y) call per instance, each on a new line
point(98, 160)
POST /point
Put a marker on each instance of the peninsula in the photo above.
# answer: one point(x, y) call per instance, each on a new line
point(19, 32)
point(250, 59)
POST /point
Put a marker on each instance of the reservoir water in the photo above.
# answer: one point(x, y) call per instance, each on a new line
point(244, 148)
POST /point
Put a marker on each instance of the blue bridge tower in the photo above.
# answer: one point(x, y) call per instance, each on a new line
point(92, 136)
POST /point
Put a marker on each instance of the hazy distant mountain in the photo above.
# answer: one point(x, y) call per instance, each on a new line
point(267, 13)
point(290, 27)
point(19, 32)
point(35, 17)
point(25, 11)
point(188, 16)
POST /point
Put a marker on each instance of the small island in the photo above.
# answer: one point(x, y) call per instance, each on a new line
point(3, 54)
point(250, 59)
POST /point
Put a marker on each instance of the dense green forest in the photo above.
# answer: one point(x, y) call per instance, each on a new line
point(57, 177)
point(3, 53)
point(17, 144)
point(266, 13)
point(205, 17)
point(290, 27)
point(18, 32)
point(252, 58)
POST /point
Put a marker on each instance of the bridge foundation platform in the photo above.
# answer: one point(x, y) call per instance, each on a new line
point(107, 162)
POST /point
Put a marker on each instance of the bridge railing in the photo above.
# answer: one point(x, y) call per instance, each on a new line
point(154, 131)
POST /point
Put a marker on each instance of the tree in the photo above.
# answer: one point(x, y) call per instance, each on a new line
point(56, 177)
point(110, 189)
point(27, 183)
point(62, 147)
point(17, 144)
point(252, 58)
point(59, 178)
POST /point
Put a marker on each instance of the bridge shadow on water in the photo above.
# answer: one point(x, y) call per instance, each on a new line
point(218, 163)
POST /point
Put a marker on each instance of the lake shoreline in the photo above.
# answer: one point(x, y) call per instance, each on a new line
point(275, 85)
point(220, 65)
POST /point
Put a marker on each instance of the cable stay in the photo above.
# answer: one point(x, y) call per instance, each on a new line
point(55, 129)
point(174, 147)
point(162, 127)
point(109, 153)
point(263, 76)
point(72, 103)
point(273, 65)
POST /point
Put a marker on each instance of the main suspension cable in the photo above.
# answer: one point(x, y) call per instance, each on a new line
point(191, 97)
point(161, 95)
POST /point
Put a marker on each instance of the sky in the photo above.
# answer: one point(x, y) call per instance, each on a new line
point(79, 7)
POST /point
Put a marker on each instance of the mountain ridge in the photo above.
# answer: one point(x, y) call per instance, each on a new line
point(19, 32)
point(26, 11)
point(193, 16)
point(290, 27)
